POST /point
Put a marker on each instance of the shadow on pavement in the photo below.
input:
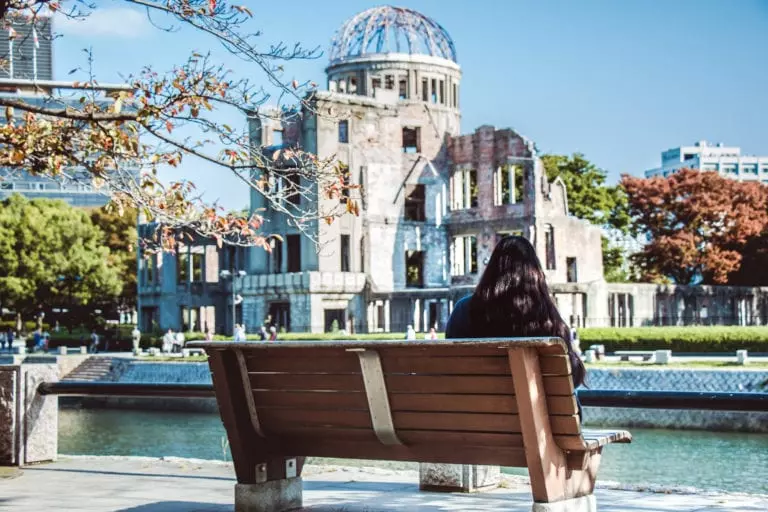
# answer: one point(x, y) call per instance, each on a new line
point(179, 506)
point(122, 473)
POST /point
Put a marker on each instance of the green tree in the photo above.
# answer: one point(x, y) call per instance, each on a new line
point(51, 254)
point(590, 198)
point(120, 236)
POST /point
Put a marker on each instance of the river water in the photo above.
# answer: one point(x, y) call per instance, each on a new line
point(705, 460)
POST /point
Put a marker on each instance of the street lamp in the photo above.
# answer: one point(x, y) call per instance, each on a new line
point(226, 274)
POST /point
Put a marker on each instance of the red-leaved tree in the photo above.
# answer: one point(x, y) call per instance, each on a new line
point(698, 224)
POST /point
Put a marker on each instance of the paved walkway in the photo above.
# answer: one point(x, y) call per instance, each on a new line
point(101, 484)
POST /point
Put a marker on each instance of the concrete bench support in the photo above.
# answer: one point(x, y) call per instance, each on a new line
point(28, 421)
point(458, 477)
point(271, 496)
point(582, 504)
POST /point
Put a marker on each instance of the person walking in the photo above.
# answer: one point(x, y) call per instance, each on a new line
point(410, 333)
point(263, 334)
point(94, 342)
point(179, 341)
point(512, 300)
point(136, 339)
point(9, 339)
point(168, 340)
point(273, 333)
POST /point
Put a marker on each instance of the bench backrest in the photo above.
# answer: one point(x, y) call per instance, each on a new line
point(456, 401)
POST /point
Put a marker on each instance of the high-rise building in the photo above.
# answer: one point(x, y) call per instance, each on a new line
point(704, 156)
point(27, 49)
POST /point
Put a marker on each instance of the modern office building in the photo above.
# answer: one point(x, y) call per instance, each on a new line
point(704, 156)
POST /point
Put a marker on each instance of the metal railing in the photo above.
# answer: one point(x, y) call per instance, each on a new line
point(712, 401)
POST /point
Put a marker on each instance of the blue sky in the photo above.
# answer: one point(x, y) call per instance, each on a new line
point(619, 81)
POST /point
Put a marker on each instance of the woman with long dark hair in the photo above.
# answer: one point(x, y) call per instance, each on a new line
point(512, 300)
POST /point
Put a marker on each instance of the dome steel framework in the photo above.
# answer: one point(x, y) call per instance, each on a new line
point(388, 29)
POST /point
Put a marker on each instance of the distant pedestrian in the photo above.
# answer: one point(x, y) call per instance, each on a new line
point(94, 342)
point(168, 340)
point(9, 337)
point(432, 334)
point(136, 339)
point(239, 334)
point(410, 333)
point(2, 341)
point(209, 334)
point(263, 334)
point(37, 340)
point(179, 341)
point(273, 333)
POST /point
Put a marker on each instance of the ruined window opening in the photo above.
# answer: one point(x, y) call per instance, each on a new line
point(414, 269)
point(375, 84)
point(276, 256)
point(344, 131)
point(411, 139)
point(182, 265)
point(455, 96)
point(362, 254)
point(294, 187)
point(389, 82)
point(442, 92)
point(402, 86)
point(424, 89)
point(342, 86)
point(361, 182)
point(508, 185)
point(549, 242)
point(415, 207)
point(464, 255)
point(434, 90)
point(345, 182)
point(344, 253)
point(277, 137)
point(572, 273)
point(353, 85)
point(280, 314)
point(294, 253)
point(472, 189)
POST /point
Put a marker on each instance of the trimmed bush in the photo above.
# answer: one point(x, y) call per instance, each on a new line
point(677, 339)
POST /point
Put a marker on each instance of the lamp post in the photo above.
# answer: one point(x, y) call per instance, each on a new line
point(234, 275)
point(71, 280)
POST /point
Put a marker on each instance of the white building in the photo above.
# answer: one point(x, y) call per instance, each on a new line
point(703, 156)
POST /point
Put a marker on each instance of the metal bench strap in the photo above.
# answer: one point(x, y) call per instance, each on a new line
point(378, 400)
point(248, 392)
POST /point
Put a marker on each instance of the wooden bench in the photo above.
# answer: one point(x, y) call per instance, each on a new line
point(490, 402)
point(625, 355)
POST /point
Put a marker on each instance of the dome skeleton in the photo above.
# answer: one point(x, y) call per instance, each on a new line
point(383, 29)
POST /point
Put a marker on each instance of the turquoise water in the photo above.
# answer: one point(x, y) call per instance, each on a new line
point(705, 460)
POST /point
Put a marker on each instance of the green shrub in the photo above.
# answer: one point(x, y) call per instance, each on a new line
point(677, 339)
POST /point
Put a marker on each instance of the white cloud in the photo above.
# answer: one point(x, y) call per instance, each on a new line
point(118, 22)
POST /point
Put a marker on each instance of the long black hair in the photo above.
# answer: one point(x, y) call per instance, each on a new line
point(512, 300)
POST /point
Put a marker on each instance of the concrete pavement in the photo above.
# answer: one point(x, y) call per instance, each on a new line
point(134, 484)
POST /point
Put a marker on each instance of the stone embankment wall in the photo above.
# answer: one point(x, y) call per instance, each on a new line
point(657, 379)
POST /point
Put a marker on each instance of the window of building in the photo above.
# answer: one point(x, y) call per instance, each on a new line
point(411, 139)
point(389, 82)
point(455, 95)
point(345, 182)
point(375, 83)
point(434, 90)
point(464, 189)
point(280, 315)
point(277, 137)
point(549, 242)
point(402, 88)
point(6, 185)
point(571, 271)
point(362, 254)
point(182, 266)
point(414, 269)
point(415, 208)
point(508, 184)
point(293, 186)
point(197, 260)
point(424, 89)
point(464, 255)
point(344, 131)
point(151, 269)
point(689, 156)
point(730, 169)
point(764, 168)
point(345, 245)
point(294, 253)
point(353, 85)
point(709, 167)
point(335, 319)
point(276, 256)
point(442, 92)
point(749, 169)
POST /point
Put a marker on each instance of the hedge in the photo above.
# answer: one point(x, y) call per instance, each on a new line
point(677, 339)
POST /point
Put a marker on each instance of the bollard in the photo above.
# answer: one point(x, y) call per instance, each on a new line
point(185, 352)
point(21, 349)
point(83, 350)
point(62, 351)
point(663, 357)
point(742, 357)
point(589, 356)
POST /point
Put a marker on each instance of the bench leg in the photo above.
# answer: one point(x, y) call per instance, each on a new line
point(271, 496)
point(458, 477)
point(581, 504)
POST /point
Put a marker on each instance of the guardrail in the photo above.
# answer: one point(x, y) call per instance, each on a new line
point(712, 401)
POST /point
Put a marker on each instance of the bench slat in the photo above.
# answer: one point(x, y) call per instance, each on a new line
point(453, 403)
point(307, 382)
point(466, 365)
point(555, 365)
point(558, 385)
point(463, 384)
point(311, 399)
point(467, 422)
point(458, 454)
point(345, 362)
